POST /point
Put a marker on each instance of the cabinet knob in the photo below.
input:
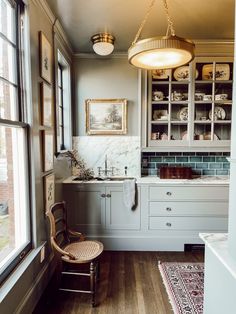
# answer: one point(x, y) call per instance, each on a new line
point(103, 195)
point(168, 193)
point(168, 224)
point(169, 209)
point(108, 195)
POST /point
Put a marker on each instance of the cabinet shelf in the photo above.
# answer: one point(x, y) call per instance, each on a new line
point(179, 122)
point(170, 82)
point(159, 122)
point(222, 121)
point(203, 121)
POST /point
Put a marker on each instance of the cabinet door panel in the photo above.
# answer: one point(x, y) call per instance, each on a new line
point(86, 209)
point(117, 215)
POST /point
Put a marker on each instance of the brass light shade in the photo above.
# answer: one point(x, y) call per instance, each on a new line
point(103, 43)
point(165, 52)
point(161, 52)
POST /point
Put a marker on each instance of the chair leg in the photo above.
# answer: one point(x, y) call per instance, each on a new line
point(92, 284)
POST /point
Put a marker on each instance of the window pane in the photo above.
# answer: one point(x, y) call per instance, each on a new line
point(14, 218)
point(60, 116)
point(7, 20)
point(59, 76)
point(8, 101)
point(59, 97)
point(8, 61)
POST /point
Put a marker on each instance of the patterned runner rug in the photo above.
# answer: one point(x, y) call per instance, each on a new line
point(184, 283)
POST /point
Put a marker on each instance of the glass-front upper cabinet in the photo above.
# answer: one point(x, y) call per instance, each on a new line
point(213, 101)
point(191, 105)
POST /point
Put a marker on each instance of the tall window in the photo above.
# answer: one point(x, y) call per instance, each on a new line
point(60, 108)
point(14, 188)
point(63, 104)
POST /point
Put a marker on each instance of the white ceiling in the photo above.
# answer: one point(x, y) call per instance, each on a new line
point(193, 19)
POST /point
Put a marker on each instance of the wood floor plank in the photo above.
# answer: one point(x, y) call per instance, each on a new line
point(130, 284)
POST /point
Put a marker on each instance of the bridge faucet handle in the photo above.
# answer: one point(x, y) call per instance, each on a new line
point(112, 171)
point(99, 171)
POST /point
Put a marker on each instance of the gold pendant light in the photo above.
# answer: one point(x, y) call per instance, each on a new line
point(165, 52)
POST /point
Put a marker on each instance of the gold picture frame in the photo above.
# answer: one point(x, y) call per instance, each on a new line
point(45, 64)
point(48, 150)
point(46, 105)
point(106, 116)
point(49, 191)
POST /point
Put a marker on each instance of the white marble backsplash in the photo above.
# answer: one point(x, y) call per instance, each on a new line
point(121, 152)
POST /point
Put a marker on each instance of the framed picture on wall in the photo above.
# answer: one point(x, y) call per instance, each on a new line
point(45, 64)
point(48, 150)
point(46, 104)
point(106, 116)
point(49, 190)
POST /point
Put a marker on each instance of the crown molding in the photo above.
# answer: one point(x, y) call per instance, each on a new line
point(118, 55)
point(214, 47)
point(62, 35)
point(57, 27)
point(46, 9)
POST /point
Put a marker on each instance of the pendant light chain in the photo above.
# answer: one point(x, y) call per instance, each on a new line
point(170, 23)
point(143, 22)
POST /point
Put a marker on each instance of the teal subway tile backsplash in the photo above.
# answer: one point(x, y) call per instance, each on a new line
point(209, 159)
point(168, 159)
point(226, 165)
point(202, 163)
point(181, 159)
point(215, 165)
point(195, 159)
point(221, 159)
point(156, 159)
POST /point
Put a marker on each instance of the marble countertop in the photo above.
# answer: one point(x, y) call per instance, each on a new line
point(156, 180)
point(218, 244)
point(197, 180)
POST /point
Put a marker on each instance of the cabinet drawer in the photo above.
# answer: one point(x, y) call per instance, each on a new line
point(188, 223)
point(188, 208)
point(188, 193)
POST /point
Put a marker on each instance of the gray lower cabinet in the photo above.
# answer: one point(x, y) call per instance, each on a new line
point(165, 219)
point(119, 217)
point(192, 208)
point(97, 209)
point(85, 207)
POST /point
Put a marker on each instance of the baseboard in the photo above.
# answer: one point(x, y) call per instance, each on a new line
point(151, 243)
point(37, 288)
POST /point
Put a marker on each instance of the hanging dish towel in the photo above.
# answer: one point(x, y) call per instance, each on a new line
point(129, 193)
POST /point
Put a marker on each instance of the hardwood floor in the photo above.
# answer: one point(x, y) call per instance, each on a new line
point(130, 284)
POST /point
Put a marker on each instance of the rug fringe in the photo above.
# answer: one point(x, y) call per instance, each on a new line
point(169, 293)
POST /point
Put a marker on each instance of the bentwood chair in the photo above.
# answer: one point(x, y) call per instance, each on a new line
point(74, 252)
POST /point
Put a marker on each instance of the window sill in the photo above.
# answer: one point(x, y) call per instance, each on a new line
point(18, 272)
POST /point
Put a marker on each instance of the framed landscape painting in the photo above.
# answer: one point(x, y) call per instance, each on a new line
point(106, 116)
point(45, 63)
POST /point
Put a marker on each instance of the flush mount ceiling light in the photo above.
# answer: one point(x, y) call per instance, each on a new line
point(103, 43)
point(165, 52)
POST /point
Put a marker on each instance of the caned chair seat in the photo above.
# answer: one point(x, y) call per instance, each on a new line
point(84, 252)
point(74, 249)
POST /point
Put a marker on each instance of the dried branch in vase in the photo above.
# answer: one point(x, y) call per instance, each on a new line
point(79, 165)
